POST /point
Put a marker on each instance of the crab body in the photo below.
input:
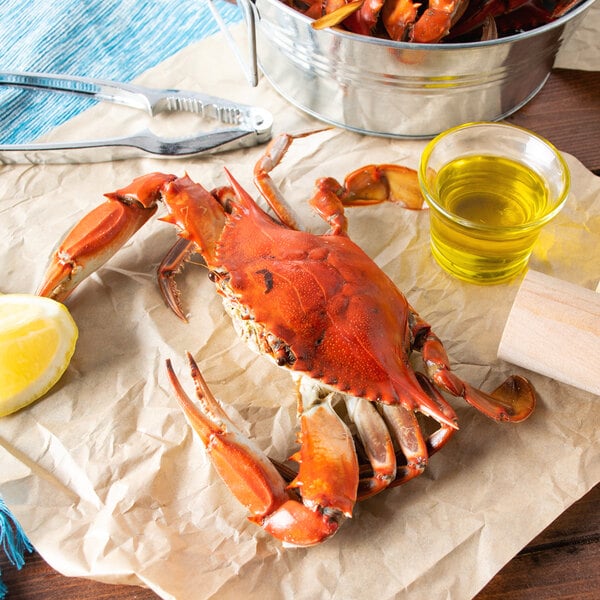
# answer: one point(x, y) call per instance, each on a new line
point(326, 310)
point(318, 306)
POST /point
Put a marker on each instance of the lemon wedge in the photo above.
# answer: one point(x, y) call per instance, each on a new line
point(37, 341)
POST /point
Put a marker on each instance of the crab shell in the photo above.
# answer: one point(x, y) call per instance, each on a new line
point(319, 306)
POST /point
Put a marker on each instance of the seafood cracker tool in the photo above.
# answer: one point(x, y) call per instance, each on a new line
point(248, 125)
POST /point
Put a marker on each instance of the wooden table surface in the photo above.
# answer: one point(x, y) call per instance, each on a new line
point(564, 560)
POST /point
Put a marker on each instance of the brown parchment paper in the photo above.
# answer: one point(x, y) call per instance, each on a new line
point(107, 478)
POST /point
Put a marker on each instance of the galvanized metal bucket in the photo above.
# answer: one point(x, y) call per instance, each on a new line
point(399, 89)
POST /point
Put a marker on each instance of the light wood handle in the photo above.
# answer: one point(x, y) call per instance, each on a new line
point(554, 329)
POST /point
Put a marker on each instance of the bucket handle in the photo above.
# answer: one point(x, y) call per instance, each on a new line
point(250, 67)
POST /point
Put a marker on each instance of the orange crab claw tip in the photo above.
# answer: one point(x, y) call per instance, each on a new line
point(170, 292)
point(182, 397)
point(145, 189)
point(232, 180)
point(194, 368)
point(172, 377)
point(56, 282)
point(297, 525)
point(204, 427)
point(244, 198)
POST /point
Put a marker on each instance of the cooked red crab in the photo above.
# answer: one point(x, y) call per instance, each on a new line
point(434, 21)
point(321, 308)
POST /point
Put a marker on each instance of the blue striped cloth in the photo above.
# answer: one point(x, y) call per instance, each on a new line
point(107, 39)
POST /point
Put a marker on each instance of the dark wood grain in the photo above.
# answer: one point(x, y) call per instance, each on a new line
point(563, 562)
point(567, 113)
point(38, 581)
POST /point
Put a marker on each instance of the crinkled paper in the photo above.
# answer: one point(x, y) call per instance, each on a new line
point(110, 483)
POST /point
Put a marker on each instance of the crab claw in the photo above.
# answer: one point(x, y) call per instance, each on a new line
point(255, 481)
point(100, 234)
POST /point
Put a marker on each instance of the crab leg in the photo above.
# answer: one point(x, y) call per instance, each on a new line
point(405, 428)
point(371, 184)
point(377, 432)
point(324, 480)
point(200, 216)
point(377, 443)
point(100, 234)
point(328, 474)
point(437, 20)
point(398, 16)
point(513, 400)
point(197, 213)
point(272, 156)
point(365, 19)
point(440, 437)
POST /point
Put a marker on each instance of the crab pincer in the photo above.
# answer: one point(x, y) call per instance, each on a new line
point(327, 480)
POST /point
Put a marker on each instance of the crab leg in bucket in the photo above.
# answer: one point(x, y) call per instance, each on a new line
point(437, 20)
point(327, 479)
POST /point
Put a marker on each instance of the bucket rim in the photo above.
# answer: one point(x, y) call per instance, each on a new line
point(450, 47)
